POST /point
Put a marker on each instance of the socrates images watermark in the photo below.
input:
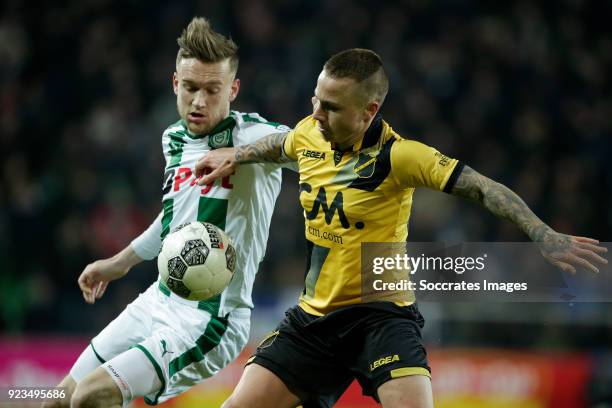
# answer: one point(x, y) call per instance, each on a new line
point(458, 265)
point(495, 272)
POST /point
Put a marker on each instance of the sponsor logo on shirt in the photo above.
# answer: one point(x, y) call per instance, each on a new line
point(443, 160)
point(313, 154)
point(176, 178)
point(165, 348)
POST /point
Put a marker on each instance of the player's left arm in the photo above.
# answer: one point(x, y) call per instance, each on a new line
point(564, 251)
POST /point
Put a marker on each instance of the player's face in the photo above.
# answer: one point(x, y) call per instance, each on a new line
point(339, 109)
point(203, 93)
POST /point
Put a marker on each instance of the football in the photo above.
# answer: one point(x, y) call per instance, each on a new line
point(196, 261)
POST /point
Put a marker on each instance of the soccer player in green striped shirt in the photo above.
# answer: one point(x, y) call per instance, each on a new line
point(161, 344)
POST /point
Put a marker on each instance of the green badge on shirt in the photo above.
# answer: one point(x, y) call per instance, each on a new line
point(221, 139)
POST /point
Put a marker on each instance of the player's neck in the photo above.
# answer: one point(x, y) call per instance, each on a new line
point(352, 141)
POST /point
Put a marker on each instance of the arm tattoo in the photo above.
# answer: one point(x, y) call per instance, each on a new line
point(502, 202)
point(266, 149)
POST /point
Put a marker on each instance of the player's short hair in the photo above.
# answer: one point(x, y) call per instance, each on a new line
point(200, 41)
point(363, 66)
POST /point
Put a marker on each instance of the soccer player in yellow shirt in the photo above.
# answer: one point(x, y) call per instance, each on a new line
point(357, 178)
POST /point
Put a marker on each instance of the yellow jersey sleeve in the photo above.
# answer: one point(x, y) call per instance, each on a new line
point(288, 146)
point(414, 164)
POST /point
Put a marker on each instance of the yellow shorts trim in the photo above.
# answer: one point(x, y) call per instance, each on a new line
point(406, 371)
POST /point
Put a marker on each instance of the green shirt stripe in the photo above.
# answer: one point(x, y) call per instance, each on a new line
point(163, 288)
point(213, 210)
point(248, 118)
point(175, 150)
point(206, 342)
point(167, 216)
point(211, 305)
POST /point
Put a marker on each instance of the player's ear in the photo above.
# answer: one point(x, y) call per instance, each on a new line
point(371, 109)
point(234, 89)
point(175, 83)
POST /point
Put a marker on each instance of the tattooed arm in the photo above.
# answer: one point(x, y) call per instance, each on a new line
point(564, 251)
point(266, 149)
point(223, 162)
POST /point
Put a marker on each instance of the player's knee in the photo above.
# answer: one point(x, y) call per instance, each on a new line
point(59, 403)
point(402, 403)
point(235, 402)
point(67, 385)
point(90, 393)
point(95, 398)
point(231, 402)
point(407, 392)
point(56, 404)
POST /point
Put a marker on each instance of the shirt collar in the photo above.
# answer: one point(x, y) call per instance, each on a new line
point(227, 123)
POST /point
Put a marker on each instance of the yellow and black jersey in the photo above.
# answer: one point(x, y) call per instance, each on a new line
point(350, 197)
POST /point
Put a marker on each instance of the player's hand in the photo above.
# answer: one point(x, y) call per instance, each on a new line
point(567, 252)
point(95, 277)
point(216, 164)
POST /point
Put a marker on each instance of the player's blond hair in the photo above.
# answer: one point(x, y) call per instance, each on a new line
point(364, 67)
point(200, 41)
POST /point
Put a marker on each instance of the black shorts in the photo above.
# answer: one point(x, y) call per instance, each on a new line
point(318, 357)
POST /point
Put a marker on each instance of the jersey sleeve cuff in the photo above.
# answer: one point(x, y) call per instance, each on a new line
point(145, 250)
point(453, 177)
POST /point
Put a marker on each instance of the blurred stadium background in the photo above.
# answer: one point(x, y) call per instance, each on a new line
point(519, 90)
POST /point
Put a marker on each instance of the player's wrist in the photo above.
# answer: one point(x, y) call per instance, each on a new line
point(241, 156)
point(124, 261)
point(541, 233)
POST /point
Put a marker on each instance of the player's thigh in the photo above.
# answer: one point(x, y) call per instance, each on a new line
point(182, 346)
point(97, 389)
point(232, 340)
point(135, 374)
point(118, 381)
point(188, 350)
point(87, 362)
point(259, 386)
point(301, 356)
point(412, 391)
point(132, 326)
point(68, 384)
point(392, 348)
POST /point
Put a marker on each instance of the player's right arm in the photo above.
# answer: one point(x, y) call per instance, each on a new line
point(95, 277)
point(274, 148)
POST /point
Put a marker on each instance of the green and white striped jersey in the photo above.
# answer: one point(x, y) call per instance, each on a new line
point(241, 204)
